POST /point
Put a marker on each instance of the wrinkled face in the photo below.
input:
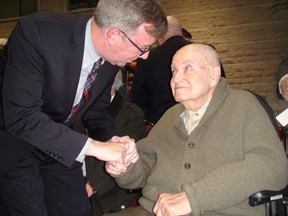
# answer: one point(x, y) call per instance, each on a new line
point(128, 47)
point(192, 81)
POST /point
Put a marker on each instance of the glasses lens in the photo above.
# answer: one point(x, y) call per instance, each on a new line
point(145, 50)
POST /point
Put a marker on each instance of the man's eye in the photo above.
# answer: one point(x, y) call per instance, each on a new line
point(188, 68)
point(172, 70)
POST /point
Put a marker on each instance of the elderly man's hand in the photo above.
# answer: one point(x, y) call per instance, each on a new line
point(172, 205)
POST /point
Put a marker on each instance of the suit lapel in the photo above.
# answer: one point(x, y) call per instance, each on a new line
point(73, 61)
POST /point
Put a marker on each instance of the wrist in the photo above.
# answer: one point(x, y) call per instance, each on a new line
point(92, 148)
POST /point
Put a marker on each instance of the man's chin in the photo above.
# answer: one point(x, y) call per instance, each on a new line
point(119, 64)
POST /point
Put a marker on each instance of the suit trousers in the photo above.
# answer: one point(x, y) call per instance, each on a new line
point(37, 185)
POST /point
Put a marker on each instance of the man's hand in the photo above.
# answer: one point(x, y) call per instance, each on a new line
point(172, 205)
point(131, 156)
point(107, 151)
point(89, 189)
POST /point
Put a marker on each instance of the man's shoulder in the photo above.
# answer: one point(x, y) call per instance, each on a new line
point(53, 19)
point(247, 100)
point(46, 16)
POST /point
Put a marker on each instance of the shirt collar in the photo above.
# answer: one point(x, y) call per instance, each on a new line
point(199, 113)
point(90, 54)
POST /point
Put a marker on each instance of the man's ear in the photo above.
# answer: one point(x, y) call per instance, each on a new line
point(215, 75)
point(113, 35)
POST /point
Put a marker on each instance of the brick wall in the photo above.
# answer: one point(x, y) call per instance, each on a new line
point(250, 39)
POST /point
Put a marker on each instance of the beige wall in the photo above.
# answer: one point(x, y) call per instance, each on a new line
point(250, 39)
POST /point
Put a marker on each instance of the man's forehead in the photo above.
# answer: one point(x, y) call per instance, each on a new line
point(186, 56)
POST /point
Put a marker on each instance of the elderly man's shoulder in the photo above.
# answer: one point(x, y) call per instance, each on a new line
point(242, 94)
point(250, 100)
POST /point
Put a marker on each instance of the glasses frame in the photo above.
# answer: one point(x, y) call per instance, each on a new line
point(143, 51)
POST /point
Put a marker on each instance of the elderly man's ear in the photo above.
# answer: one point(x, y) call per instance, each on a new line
point(215, 74)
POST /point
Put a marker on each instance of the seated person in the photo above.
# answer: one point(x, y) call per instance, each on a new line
point(282, 80)
point(209, 152)
point(105, 195)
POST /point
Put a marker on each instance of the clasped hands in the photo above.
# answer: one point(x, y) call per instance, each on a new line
point(119, 152)
point(129, 155)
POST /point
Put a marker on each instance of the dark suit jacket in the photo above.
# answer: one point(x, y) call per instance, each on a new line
point(151, 85)
point(42, 64)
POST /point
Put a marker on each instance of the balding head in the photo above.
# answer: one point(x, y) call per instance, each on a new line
point(174, 29)
point(203, 54)
point(196, 73)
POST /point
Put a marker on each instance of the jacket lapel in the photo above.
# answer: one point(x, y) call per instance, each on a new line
point(73, 61)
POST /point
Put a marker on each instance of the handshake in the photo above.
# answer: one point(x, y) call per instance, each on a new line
point(118, 152)
point(129, 155)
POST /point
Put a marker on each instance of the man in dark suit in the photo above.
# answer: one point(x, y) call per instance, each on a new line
point(43, 72)
point(151, 85)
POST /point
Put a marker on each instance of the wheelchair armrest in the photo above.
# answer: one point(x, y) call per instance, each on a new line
point(266, 196)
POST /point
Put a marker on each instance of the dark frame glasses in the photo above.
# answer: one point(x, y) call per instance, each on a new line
point(143, 51)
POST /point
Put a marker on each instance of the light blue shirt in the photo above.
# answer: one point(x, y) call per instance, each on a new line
point(89, 58)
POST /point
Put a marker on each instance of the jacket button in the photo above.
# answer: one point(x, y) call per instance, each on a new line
point(58, 157)
point(187, 165)
point(191, 145)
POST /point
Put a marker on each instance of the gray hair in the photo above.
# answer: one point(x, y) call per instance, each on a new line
point(127, 15)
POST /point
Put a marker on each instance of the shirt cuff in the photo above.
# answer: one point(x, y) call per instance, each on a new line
point(80, 158)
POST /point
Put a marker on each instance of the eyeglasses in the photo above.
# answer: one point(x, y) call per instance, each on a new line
point(143, 51)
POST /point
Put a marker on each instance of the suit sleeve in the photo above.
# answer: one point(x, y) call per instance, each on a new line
point(23, 100)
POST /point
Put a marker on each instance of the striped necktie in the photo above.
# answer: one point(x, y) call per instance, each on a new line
point(87, 90)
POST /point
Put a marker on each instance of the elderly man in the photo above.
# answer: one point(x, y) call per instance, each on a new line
point(208, 153)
